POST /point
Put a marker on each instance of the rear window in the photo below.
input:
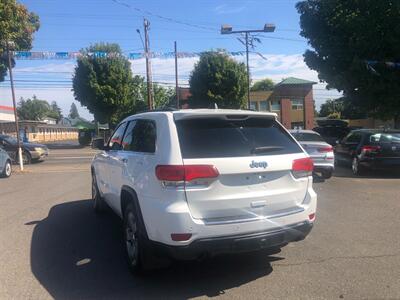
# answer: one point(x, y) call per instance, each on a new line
point(385, 138)
point(307, 137)
point(220, 137)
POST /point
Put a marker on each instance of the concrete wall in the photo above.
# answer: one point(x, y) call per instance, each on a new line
point(39, 132)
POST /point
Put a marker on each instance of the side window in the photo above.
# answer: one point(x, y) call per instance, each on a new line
point(128, 140)
point(115, 142)
point(144, 136)
point(354, 138)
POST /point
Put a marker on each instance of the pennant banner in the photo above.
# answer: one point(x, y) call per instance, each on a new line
point(39, 55)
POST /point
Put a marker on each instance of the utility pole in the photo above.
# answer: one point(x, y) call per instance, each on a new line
point(21, 163)
point(176, 77)
point(248, 70)
point(146, 24)
point(227, 29)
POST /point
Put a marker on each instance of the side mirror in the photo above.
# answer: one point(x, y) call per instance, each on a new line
point(98, 143)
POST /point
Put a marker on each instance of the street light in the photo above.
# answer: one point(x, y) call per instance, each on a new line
point(227, 29)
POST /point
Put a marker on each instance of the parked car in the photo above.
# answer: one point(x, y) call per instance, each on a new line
point(5, 164)
point(320, 151)
point(369, 149)
point(30, 151)
point(194, 183)
point(332, 134)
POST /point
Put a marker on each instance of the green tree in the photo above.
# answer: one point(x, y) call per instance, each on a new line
point(219, 79)
point(104, 83)
point(33, 109)
point(263, 85)
point(345, 34)
point(55, 111)
point(164, 96)
point(73, 111)
point(17, 25)
point(331, 106)
point(342, 108)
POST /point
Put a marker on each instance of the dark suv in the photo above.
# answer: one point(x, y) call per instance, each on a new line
point(370, 148)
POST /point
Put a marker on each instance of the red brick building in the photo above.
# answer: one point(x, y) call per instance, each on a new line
point(291, 99)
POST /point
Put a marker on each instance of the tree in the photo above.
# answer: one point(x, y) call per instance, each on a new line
point(218, 79)
point(73, 111)
point(263, 85)
point(342, 108)
point(17, 25)
point(331, 106)
point(345, 35)
point(104, 84)
point(163, 97)
point(55, 111)
point(33, 109)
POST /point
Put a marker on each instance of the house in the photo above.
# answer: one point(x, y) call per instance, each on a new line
point(291, 99)
point(49, 120)
point(6, 114)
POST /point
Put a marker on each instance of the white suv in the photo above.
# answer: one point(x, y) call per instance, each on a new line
point(194, 183)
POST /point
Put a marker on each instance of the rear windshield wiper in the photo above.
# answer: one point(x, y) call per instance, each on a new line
point(266, 149)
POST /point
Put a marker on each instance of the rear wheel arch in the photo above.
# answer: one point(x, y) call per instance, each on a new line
point(128, 195)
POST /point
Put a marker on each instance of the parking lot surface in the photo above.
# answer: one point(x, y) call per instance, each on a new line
point(52, 245)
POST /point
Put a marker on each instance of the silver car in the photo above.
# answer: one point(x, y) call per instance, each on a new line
point(320, 151)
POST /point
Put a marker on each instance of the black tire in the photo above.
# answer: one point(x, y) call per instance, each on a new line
point(140, 257)
point(7, 169)
point(26, 157)
point(134, 240)
point(356, 168)
point(326, 174)
point(99, 204)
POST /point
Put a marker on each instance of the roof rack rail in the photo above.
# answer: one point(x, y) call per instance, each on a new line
point(166, 108)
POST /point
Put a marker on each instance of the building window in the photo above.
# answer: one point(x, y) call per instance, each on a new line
point(297, 104)
point(253, 105)
point(275, 105)
point(297, 125)
point(263, 105)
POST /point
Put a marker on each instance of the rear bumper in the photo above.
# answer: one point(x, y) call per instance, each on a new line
point(236, 243)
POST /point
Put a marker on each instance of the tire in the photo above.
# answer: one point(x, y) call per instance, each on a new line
point(134, 240)
point(326, 174)
point(99, 204)
point(356, 168)
point(26, 157)
point(140, 257)
point(7, 169)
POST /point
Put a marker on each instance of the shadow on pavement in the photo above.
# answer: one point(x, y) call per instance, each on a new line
point(77, 254)
point(343, 171)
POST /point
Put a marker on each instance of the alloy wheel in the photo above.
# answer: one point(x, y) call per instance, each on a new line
point(131, 239)
point(8, 169)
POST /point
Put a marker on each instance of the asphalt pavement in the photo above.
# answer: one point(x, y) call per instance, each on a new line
point(52, 245)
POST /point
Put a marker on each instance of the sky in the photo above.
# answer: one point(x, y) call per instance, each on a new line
point(195, 25)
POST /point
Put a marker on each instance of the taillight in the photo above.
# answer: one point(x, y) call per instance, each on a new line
point(302, 167)
point(186, 172)
point(370, 149)
point(325, 149)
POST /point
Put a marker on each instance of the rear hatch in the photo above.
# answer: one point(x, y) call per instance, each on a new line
point(253, 157)
point(383, 145)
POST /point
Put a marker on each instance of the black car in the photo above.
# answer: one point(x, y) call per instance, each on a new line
point(30, 152)
point(369, 149)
